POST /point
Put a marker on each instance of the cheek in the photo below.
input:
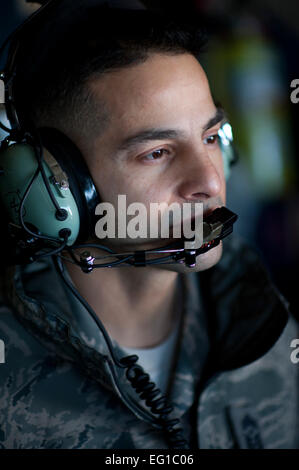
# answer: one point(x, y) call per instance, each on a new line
point(223, 195)
point(223, 190)
point(112, 180)
point(109, 180)
point(145, 192)
point(220, 171)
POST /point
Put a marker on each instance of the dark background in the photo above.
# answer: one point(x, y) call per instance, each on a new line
point(251, 59)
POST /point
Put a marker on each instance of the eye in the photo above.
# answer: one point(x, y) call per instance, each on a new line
point(212, 139)
point(156, 154)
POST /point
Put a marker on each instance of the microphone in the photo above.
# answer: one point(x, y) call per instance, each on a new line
point(216, 226)
point(27, 246)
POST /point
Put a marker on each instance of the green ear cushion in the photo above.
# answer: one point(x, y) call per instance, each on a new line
point(71, 161)
point(19, 164)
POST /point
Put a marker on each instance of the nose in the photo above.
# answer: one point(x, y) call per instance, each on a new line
point(200, 176)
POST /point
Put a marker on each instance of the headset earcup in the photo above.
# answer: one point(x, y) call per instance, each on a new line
point(19, 165)
point(82, 187)
point(228, 150)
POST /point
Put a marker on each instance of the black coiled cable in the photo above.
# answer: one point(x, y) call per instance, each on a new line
point(139, 380)
point(155, 400)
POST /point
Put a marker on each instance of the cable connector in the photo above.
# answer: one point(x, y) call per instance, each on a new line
point(86, 262)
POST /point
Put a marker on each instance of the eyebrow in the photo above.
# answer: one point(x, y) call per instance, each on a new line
point(148, 135)
point(219, 116)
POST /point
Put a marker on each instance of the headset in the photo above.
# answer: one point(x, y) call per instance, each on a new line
point(50, 199)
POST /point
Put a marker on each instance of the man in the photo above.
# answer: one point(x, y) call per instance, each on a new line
point(129, 91)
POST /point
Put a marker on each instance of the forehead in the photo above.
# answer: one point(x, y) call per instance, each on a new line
point(160, 91)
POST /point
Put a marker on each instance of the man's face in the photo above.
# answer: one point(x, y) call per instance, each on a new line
point(159, 144)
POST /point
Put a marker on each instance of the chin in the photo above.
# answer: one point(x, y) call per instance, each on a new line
point(205, 261)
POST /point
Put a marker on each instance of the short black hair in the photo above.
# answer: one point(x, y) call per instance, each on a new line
point(61, 53)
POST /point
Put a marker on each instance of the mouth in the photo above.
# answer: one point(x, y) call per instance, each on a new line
point(194, 219)
point(211, 231)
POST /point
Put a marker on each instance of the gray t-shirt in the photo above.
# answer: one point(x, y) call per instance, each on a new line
point(157, 361)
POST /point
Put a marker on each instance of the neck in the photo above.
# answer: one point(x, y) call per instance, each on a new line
point(137, 306)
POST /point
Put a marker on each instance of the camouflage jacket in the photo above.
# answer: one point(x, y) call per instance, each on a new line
point(232, 384)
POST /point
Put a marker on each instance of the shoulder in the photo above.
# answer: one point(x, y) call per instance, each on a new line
point(23, 354)
point(259, 399)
